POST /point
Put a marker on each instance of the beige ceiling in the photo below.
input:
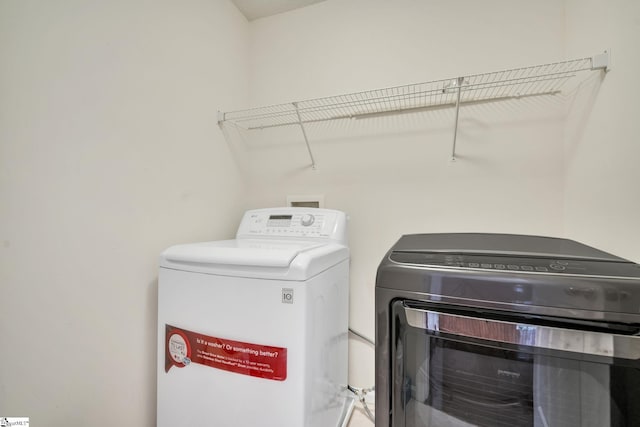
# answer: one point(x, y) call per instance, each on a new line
point(254, 9)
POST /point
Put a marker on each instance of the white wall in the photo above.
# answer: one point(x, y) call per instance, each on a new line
point(109, 152)
point(393, 174)
point(602, 205)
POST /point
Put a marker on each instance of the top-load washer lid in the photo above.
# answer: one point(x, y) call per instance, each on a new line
point(261, 253)
point(260, 258)
point(292, 243)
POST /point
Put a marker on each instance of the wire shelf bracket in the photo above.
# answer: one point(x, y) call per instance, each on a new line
point(545, 79)
point(304, 134)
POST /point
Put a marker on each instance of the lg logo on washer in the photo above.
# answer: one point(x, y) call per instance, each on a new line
point(287, 296)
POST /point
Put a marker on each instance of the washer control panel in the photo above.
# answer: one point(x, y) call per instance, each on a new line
point(295, 223)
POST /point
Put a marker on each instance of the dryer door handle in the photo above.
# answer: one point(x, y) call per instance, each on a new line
point(537, 336)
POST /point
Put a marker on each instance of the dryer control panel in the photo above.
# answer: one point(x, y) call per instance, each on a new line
point(308, 223)
point(518, 264)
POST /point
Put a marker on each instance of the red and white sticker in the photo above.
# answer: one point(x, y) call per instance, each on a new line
point(184, 347)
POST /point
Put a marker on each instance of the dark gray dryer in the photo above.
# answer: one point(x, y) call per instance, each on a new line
point(494, 330)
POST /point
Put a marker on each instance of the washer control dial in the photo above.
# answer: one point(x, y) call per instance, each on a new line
point(307, 220)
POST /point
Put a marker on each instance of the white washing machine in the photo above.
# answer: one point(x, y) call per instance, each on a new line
point(253, 331)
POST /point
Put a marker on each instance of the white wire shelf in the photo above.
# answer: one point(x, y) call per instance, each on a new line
point(546, 79)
